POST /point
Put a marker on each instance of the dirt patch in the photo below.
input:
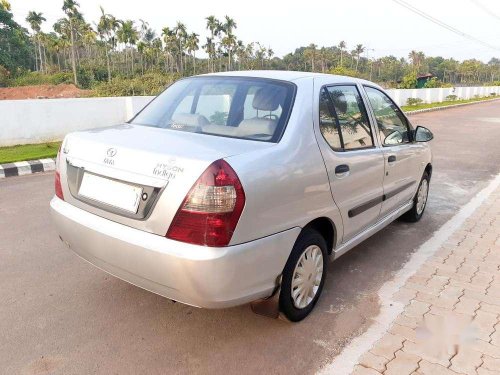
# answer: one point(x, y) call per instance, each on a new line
point(42, 92)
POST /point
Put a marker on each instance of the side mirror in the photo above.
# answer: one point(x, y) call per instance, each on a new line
point(423, 134)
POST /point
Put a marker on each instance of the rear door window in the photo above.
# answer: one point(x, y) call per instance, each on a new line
point(343, 119)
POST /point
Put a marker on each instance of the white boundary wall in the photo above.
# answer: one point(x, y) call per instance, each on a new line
point(400, 96)
point(41, 120)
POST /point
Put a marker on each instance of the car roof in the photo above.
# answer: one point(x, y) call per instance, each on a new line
point(286, 75)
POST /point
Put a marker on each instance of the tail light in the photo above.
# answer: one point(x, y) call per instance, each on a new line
point(209, 213)
point(57, 182)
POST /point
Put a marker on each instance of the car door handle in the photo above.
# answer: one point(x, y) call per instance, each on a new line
point(391, 159)
point(342, 170)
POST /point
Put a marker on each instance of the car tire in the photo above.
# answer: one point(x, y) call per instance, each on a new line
point(309, 258)
point(419, 201)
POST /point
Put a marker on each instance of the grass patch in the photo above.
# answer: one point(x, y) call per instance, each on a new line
point(407, 108)
point(28, 152)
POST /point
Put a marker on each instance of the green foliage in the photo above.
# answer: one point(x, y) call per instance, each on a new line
point(343, 71)
point(37, 78)
point(432, 83)
point(4, 76)
point(451, 98)
point(435, 83)
point(494, 83)
point(413, 101)
point(15, 45)
point(149, 84)
point(409, 81)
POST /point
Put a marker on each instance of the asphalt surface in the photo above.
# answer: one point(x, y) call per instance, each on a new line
point(60, 315)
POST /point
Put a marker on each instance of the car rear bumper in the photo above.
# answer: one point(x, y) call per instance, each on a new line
point(194, 275)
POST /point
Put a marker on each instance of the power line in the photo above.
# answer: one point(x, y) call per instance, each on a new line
point(442, 24)
point(485, 9)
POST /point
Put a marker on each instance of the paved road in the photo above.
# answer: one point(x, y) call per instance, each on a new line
point(59, 314)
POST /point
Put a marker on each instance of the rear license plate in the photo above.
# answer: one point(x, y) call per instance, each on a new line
point(113, 193)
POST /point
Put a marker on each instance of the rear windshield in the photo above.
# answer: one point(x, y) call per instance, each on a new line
point(247, 108)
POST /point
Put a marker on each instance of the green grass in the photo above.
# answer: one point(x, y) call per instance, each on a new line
point(407, 108)
point(28, 152)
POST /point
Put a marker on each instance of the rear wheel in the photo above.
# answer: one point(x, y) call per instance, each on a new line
point(303, 276)
point(419, 202)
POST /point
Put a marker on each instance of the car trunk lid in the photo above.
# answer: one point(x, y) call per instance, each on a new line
point(152, 168)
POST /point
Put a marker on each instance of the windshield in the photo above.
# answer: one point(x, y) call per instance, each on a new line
point(247, 108)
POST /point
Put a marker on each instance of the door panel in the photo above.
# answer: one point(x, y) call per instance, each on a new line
point(358, 193)
point(354, 164)
point(401, 156)
point(399, 180)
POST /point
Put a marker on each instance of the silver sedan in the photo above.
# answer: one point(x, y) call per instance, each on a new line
point(235, 187)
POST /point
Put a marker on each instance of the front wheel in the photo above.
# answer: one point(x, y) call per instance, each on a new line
point(419, 202)
point(303, 276)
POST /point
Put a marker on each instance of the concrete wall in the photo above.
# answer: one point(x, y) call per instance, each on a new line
point(440, 94)
point(41, 120)
point(36, 121)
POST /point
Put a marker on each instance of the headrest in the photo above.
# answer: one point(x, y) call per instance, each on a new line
point(257, 126)
point(250, 128)
point(339, 101)
point(268, 98)
point(189, 119)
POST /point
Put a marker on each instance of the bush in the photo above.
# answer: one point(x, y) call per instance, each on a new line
point(148, 84)
point(61, 77)
point(341, 71)
point(409, 81)
point(413, 101)
point(451, 98)
point(4, 76)
point(37, 78)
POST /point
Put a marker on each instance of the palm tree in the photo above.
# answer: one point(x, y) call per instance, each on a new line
point(106, 28)
point(192, 46)
point(181, 34)
point(35, 20)
point(358, 51)
point(171, 47)
point(70, 8)
point(146, 35)
point(229, 41)
point(270, 54)
point(342, 46)
point(310, 53)
point(214, 25)
point(128, 35)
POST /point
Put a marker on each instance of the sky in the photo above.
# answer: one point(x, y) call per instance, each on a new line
point(383, 26)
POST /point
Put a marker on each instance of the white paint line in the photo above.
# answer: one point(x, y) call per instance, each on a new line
point(344, 363)
point(47, 161)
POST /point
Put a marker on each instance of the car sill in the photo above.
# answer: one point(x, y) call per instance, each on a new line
point(344, 248)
